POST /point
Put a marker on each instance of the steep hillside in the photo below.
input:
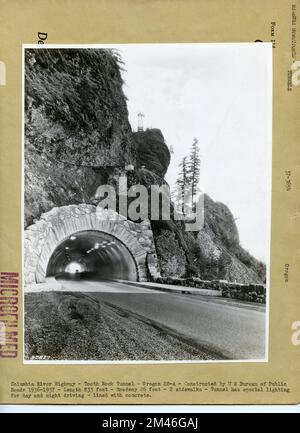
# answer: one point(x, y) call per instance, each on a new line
point(76, 121)
point(212, 253)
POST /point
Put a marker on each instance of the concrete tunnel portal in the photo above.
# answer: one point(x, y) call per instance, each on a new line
point(92, 253)
point(84, 239)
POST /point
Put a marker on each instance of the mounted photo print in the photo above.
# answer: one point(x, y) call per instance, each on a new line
point(149, 202)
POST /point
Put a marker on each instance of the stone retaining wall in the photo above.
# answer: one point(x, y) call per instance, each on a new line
point(244, 292)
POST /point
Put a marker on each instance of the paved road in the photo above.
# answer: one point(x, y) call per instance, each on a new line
point(233, 329)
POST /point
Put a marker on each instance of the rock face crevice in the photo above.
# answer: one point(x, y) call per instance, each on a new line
point(214, 253)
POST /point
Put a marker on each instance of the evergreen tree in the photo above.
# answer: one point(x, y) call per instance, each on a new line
point(182, 184)
point(193, 171)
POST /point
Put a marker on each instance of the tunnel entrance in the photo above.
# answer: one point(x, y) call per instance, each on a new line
point(48, 240)
point(92, 253)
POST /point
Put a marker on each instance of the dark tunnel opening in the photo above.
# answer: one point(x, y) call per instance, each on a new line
point(90, 253)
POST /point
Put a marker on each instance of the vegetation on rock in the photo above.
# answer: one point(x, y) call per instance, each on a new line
point(76, 126)
point(75, 107)
point(152, 151)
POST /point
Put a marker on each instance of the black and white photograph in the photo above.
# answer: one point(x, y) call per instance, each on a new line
point(147, 202)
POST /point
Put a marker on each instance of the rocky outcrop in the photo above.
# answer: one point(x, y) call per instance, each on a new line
point(213, 253)
point(76, 126)
point(172, 257)
point(152, 151)
point(41, 239)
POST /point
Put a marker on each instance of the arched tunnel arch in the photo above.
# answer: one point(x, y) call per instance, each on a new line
point(45, 240)
point(92, 252)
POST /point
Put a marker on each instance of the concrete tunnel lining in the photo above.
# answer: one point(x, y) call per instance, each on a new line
point(95, 253)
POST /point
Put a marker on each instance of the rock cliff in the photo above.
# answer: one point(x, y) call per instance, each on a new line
point(77, 137)
point(152, 151)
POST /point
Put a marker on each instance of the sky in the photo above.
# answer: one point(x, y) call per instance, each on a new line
point(222, 95)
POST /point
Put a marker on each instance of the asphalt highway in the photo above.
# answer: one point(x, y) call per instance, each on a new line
point(223, 327)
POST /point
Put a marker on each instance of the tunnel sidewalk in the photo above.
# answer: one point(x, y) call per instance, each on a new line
point(172, 288)
point(53, 285)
